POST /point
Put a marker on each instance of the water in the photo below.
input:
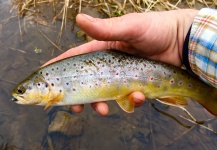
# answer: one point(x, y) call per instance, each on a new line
point(152, 126)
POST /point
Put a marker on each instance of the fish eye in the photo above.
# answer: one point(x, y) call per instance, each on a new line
point(21, 90)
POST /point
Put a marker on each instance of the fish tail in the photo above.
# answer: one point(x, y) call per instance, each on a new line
point(210, 102)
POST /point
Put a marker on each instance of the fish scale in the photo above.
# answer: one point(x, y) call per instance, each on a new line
point(111, 75)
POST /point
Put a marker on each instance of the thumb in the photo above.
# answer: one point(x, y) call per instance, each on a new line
point(112, 29)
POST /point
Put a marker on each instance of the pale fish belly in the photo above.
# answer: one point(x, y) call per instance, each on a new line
point(108, 75)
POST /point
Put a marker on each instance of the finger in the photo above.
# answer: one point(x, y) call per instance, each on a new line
point(113, 29)
point(77, 108)
point(101, 108)
point(82, 49)
point(138, 98)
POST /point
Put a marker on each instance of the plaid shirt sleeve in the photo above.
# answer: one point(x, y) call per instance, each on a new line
point(202, 46)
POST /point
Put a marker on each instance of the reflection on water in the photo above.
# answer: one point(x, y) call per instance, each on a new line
point(152, 126)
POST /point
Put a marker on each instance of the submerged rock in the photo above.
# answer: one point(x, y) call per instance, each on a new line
point(66, 124)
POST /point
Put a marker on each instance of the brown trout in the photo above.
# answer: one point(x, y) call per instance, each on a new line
point(111, 75)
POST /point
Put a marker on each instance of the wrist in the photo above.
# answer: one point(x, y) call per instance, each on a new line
point(185, 20)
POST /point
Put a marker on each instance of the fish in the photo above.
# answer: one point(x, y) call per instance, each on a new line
point(112, 75)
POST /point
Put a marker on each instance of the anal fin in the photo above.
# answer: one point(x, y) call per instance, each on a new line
point(126, 104)
point(176, 100)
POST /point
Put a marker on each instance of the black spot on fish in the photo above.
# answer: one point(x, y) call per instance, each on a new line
point(40, 72)
point(52, 69)
point(39, 84)
point(60, 91)
point(46, 74)
point(64, 69)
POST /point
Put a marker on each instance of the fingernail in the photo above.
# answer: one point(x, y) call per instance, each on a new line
point(89, 17)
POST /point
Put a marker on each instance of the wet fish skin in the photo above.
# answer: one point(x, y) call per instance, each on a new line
point(111, 75)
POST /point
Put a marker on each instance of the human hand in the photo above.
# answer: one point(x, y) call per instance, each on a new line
point(156, 35)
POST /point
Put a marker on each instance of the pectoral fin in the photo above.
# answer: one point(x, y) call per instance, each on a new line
point(53, 101)
point(177, 100)
point(126, 104)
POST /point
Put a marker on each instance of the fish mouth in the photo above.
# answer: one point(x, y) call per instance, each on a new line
point(20, 100)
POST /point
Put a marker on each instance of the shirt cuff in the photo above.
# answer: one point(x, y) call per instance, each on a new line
point(202, 47)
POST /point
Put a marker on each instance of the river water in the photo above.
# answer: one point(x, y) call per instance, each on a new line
point(152, 126)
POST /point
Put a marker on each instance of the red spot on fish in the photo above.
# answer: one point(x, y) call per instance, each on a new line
point(136, 75)
point(64, 69)
point(141, 68)
point(158, 86)
point(67, 83)
point(76, 70)
point(46, 74)
point(74, 76)
point(189, 85)
point(74, 89)
point(52, 84)
point(101, 73)
point(151, 78)
point(180, 82)
point(169, 76)
point(90, 86)
point(91, 74)
point(60, 91)
point(116, 74)
point(82, 67)
point(171, 81)
point(57, 79)
point(82, 82)
point(165, 73)
point(109, 82)
point(125, 81)
point(96, 84)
